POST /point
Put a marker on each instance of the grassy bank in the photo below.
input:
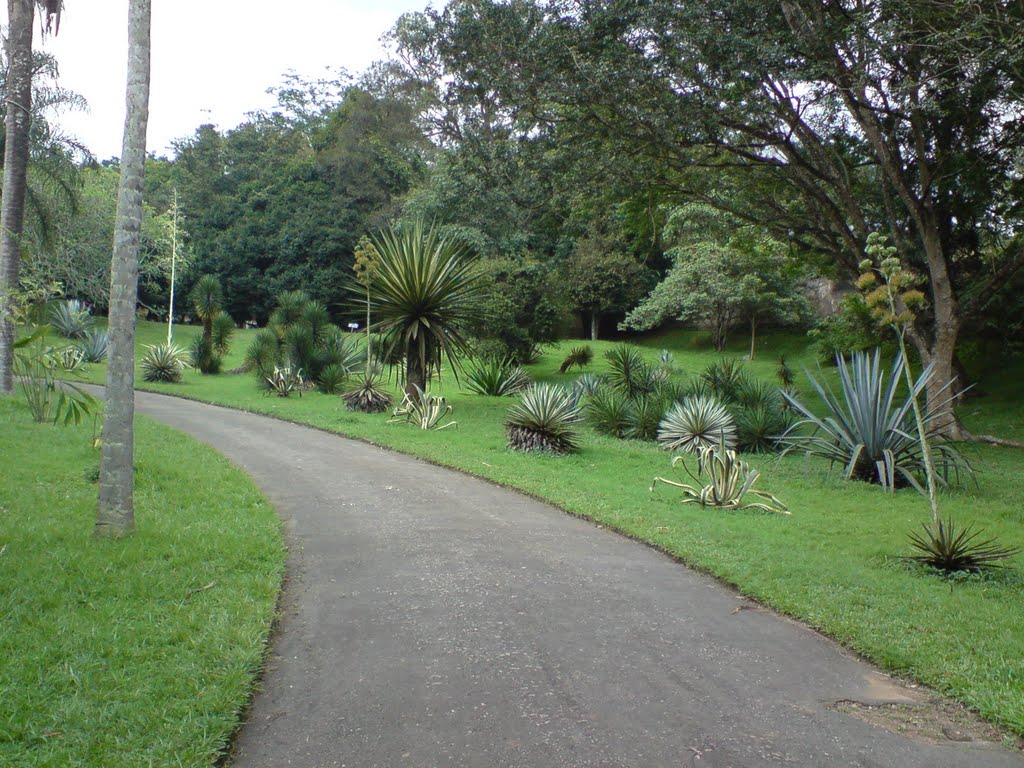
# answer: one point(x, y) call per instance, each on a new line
point(834, 564)
point(135, 652)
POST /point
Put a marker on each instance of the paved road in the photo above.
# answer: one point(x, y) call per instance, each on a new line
point(435, 620)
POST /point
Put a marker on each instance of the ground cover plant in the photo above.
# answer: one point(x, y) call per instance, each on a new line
point(135, 652)
point(836, 563)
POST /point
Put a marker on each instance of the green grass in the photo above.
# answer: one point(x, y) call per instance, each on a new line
point(113, 653)
point(834, 564)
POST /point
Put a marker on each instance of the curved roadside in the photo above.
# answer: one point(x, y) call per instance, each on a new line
point(432, 617)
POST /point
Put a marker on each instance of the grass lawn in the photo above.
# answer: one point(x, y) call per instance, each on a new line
point(833, 564)
point(136, 652)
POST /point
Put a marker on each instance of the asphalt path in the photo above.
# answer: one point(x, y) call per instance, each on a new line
point(432, 619)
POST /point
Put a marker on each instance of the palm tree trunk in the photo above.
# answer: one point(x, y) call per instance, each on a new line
point(415, 370)
point(12, 210)
point(116, 511)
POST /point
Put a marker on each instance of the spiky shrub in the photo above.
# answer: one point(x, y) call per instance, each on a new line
point(222, 331)
point(367, 396)
point(164, 363)
point(332, 379)
point(263, 353)
point(337, 349)
point(300, 349)
point(627, 370)
point(753, 393)
point(670, 391)
point(288, 309)
point(203, 357)
point(722, 480)
point(759, 428)
point(544, 419)
point(697, 387)
point(725, 377)
point(643, 417)
point(71, 318)
point(696, 423)
point(67, 358)
point(423, 409)
point(943, 548)
point(94, 346)
point(285, 381)
point(786, 375)
point(607, 412)
point(531, 356)
point(316, 317)
point(578, 357)
point(586, 385)
point(495, 377)
point(869, 430)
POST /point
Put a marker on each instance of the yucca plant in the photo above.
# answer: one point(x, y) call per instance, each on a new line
point(495, 377)
point(285, 381)
point(722, 480)
point(424, 409)
point(586, 385)
point(868, 429)
point(578, 357)
point(628, 371)
point(316, 317)
point(607, 412)
point(943, 548)
point(332, 378)
point(288, 309)
point(697, 423)
point(643, 417)
point(202, 355)
point(221, 332)
point(544, 419)
point(753, 393)
point(425, 293)
point(725, 377)
point(263, 353)
point(71, 318)
point(531, 356)
point(207, 298)
point(759, 428)
point(163, 362)
point(68, 359)
point(337, 349)
point(94, 346)
point(300, 349)
point(367, 396)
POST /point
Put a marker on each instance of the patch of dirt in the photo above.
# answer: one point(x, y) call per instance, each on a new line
point(932, 719)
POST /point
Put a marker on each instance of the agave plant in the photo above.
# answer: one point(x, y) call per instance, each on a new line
point(586, 385)
point(868, 430)
point(163, 362)
point(284, 381)
point(426, 292)
point(578, 357)
point(941, 547)
point(697, 423)
point(367, 396)
point(425, 410)
point(544, 419)
point(729, 481)
point(71, 318)
point(94, 346)
point(495, 377)
point(68, 359)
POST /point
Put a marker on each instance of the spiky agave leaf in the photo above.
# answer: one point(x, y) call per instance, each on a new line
point(544, 419)
point(367, 396)
point(163, 362)
point(696, 423)
point(644, 416)
point(578, 357)
point(94, 346)
point(729, 480)
point(495, 377)
point(607, 411)
point(71, 318)
point(423, 409)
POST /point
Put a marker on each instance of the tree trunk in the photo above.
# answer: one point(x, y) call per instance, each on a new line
point(753, 335)
point(12, 210)
point(415, 370)
point(595, 325)
point(116, 512)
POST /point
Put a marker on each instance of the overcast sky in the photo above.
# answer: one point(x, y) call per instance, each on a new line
point(212, 61)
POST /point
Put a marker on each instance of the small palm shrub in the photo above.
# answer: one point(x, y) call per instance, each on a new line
point(544, 419)
point(263, 353)
point(203, 356)
point(697, 423)
point(288, 308)
point(628, 371)
point(332, 378)
point(531, 356)
point(300, 348)
point(423, 409)
point(943, 548)
point(163, 363)
point(643, 417)
point(221, 332)
point(578, 357)
point(607, 411)
point(722, 480)
point(367, 396)
point(759, 428)
point(71, 318)
point(868, 430)
point(317, 319)
point(725, 377)
point(495, 377)
point(94, 346)
point(285, 381)
point(337, 349)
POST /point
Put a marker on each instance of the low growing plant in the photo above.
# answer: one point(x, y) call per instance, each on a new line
point(71, 318)
point(94, 346)
point(943, 548)
point(48, 400)
point(332, 379)
point(729, 480)
point(643, 416)
point(367, 396)
point(544, 419)
point(697, 423)
point(578, 357)
point(285, 381)
point(423, 409)
point(163, 363)
point(607, 412)
point(495, 377)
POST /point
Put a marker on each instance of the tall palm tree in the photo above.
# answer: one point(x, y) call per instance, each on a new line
point(426, 292)
point(116, 510)
point(17, 124)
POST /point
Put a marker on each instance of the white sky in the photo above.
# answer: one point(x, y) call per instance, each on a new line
point(212, 61)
